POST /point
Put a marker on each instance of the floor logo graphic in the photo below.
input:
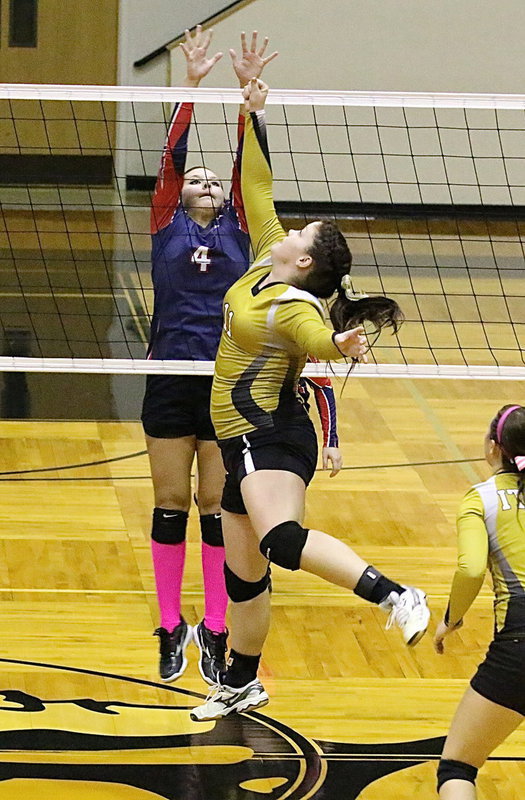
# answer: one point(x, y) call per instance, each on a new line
point(76, 734)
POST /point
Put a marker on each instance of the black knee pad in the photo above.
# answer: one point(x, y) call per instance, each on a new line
point(239, 590)
point(449, 770)
point(211, 530)
point(284, 544)
point(169, 527)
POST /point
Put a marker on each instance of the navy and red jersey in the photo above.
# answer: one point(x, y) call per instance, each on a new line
point(325, 401)
point(192, 267)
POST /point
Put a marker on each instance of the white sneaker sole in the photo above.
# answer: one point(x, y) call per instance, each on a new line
point(419, 632)
point(416, 637)
point(185, 643)
point(247, 705)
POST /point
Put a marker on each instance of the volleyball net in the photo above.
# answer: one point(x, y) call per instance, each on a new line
point(428, 189)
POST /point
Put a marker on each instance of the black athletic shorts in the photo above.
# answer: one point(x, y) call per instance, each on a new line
point(178, 405)
point(291, 447)
point(501, 677)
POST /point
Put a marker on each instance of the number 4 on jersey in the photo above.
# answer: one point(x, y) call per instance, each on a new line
point(200, 257)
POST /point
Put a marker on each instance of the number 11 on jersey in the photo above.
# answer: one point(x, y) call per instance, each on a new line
point(228, 316)
point(200, 257)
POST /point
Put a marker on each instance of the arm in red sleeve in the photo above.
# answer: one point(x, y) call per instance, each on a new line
point(325, 401)
point(236, 200)
point(171, 173)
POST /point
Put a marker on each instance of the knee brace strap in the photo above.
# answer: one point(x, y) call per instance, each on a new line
point(284, 544)
point(240, 590)
point(169, 527)
point(211, 530)
point(449, 770)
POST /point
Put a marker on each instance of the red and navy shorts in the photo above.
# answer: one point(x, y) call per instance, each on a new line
point(178, 405)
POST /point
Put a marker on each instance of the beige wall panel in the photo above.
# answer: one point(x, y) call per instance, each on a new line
point(382, 45)
point(75, 45)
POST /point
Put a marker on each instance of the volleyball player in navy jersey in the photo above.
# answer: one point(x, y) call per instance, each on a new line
point(200, 246)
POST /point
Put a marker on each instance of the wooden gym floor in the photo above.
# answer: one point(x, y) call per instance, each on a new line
point(353, 712)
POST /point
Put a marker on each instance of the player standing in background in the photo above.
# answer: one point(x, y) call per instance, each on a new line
point(491, 532)
point(272, 320)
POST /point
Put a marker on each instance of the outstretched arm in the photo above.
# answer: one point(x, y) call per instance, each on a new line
point(473, 549)
point(256, 177)
point(248, 64)
point(171, 173)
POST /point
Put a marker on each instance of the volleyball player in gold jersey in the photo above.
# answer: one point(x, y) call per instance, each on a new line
point(491, 532)
point(272, 319)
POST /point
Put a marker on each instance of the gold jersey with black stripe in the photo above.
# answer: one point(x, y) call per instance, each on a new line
point(491, 533)
point(268, 331)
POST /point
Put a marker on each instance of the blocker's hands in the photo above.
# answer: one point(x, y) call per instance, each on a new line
point(251, 61)
point(195, 49)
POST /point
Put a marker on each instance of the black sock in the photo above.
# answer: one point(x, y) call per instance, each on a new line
point(240, 669)
point(375, 587)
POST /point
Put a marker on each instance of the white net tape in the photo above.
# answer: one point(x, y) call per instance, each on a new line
point(280, 97)
point(343, 154)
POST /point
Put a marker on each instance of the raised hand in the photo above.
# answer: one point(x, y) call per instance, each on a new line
point(195, 49)
point(255, 93)
point(353, 343)
point(251, 62)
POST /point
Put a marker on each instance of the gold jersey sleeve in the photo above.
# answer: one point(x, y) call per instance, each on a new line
point(268, 331)
point(257, 189)
point(298, 321)
point(263, 349)
point(491, 533)
point(473, 550)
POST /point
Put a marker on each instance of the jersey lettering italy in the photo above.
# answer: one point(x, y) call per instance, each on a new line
point(268, 331)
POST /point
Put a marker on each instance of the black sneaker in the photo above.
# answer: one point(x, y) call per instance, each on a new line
point(212, 648)
point(172, 648)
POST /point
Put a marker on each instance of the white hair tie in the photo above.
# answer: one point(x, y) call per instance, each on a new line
point(350, 292)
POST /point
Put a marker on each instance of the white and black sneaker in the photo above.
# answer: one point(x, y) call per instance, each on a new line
point(212, 648)
point(409, 611)
point(172, 648)
point(224, 700)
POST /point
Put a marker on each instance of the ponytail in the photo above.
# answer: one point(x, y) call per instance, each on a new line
point(382, 312)
point(333, 260)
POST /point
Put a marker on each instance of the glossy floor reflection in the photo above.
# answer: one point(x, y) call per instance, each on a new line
point(82, 734)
